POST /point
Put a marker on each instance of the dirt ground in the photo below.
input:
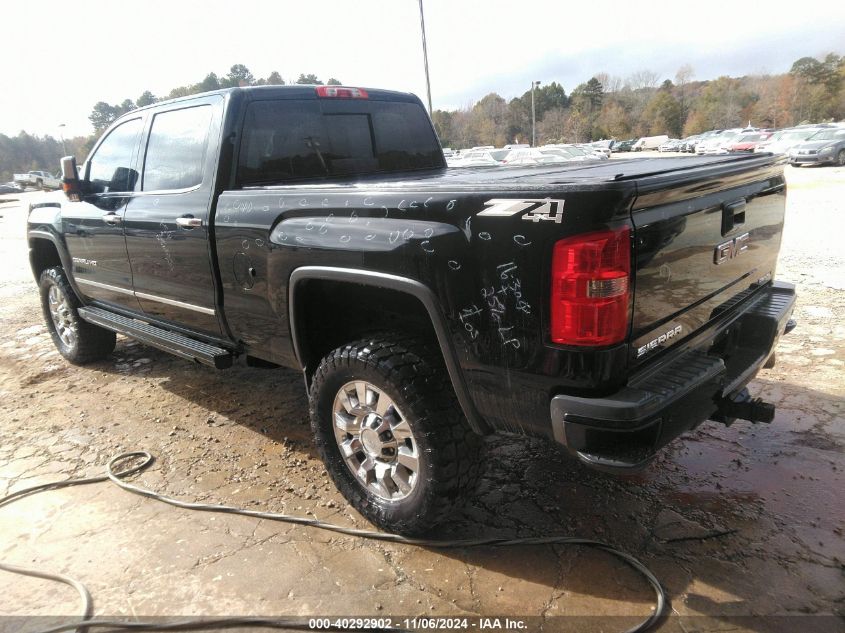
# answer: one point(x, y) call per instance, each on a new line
point(743, 525)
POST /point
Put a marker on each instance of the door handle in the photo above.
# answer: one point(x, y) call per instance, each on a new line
point(112, 218)
point(189, 222)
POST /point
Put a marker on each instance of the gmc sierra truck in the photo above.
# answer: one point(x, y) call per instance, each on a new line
point(608, 307)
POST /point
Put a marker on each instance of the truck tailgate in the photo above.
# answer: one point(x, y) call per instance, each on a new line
point(705, 238)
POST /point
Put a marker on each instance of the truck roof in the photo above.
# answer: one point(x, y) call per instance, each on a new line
point(297, 91)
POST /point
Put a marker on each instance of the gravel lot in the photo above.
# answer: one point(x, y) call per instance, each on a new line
point(736, 522)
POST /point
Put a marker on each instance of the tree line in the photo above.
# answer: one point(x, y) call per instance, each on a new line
point(26, 152)
point(604, 106)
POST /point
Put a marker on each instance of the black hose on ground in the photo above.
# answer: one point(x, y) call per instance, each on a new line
point(117, 477)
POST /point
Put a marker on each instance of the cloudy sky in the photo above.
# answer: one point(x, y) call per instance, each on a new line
point(62, 57)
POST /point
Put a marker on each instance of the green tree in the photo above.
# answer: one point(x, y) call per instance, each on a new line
point(489, 120)
point(275, 79)
point(808, 68)
point(211, 82)
point(147, 98)
point(334, 82)
point(442, 120)
point(309, 80)
point(662, 115)
point(102, 116)
point(239, 75)
point(587, 98)
point(182, 91)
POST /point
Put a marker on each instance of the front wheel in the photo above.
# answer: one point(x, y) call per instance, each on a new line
point(840, 158)
point(391, 433)
point(78, 341)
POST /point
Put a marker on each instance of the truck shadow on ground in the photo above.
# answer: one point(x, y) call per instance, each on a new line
point(708, 541)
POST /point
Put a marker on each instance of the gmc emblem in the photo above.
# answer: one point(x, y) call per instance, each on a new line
point(730, 249)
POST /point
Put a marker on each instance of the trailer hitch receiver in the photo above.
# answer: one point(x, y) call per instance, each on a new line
point(742, 406)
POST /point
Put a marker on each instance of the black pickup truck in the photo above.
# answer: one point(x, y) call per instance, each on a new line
point(607, 307)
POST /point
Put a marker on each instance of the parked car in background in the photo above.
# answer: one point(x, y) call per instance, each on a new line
point(688, 144)
point(748, 142)
point(784, 140)
point(602, 147)
point(717, 143)
point(824, 147)
point(10, 187)
point(39, 180)
point(669, 146)
point(478, 158)
point(623, 146)
point(579, 153)
point(649, 142)
point(534, 156)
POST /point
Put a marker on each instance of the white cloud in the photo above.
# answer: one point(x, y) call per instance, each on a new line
point(88, 51)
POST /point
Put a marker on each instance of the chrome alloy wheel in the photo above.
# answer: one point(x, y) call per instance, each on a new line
point(375, 440)
point(63, 318)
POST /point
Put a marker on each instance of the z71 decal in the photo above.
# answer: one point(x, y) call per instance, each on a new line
point(535, 210)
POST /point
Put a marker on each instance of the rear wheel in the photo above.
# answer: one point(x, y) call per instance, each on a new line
point(391, 433)
point(78, 341)
point(840, 158)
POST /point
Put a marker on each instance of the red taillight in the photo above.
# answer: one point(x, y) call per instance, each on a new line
point(341, 92)
point(590, 288)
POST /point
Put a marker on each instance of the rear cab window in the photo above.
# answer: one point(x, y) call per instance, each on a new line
point(305, 139)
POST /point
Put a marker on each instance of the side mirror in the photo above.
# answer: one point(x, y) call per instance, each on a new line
point(71, 184)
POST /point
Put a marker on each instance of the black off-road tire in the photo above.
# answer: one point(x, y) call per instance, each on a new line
point(411, 372)
point(91, 342)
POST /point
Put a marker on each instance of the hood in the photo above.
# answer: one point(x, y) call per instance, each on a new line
point(813, 145)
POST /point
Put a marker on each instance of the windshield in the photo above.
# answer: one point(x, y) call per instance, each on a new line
point(749, 138)
point(827, 135)
point(793, 135)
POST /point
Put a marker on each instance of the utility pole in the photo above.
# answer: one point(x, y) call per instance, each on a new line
point(425, 57)
point(62, 136)
point(534, 84)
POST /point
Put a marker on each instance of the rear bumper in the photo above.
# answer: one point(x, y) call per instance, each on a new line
point(624, 431)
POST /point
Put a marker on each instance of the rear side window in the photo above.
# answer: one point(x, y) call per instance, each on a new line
point(293, 140)
point(110, 168)
point(176, 149)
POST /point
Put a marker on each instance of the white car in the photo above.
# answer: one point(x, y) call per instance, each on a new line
point(601, 147)
point(783, 141)
point(715, 143)
point(535, 156)
point(573, 153)
point(478, 158)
